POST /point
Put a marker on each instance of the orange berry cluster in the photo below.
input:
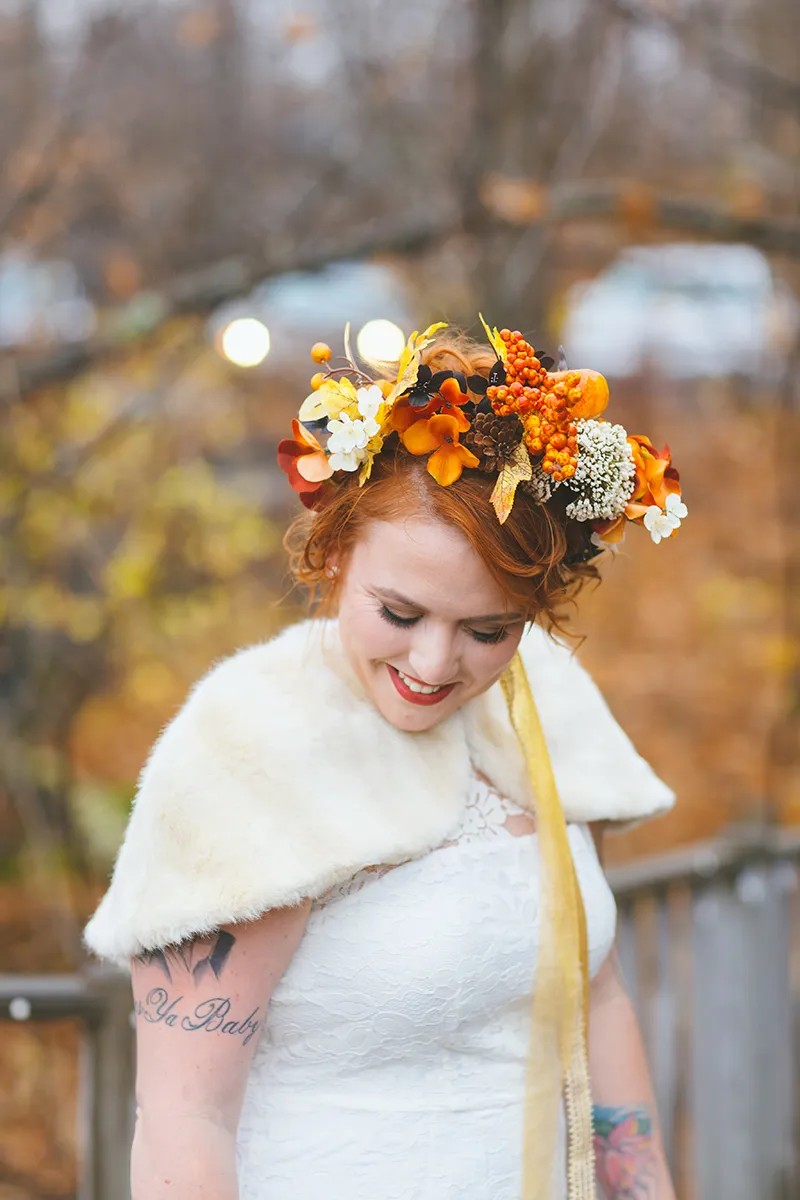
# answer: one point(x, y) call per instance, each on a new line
point(542, 404)
point(525, 375)
point(553, 433)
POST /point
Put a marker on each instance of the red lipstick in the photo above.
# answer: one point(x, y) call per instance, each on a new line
point(417, 697)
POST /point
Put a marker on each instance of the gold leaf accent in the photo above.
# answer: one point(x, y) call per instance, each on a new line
point(514, 471)
point(428, 334)
point(499, 346)
point(373, 447)
point(409, 363)
point(365, 472)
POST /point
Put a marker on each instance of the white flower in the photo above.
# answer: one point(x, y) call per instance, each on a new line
point(662, 524)
point(676, 508)
point(347, 434)
point(605, 476)
point(369, 401)
point(348, 443)
point(657, 523)
point(341, 461)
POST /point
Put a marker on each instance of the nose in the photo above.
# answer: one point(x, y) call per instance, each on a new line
point(432, 655)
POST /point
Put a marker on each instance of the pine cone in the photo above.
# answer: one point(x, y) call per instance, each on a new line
point(493, 440)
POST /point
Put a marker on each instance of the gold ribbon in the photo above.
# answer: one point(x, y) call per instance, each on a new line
point(558, 1060)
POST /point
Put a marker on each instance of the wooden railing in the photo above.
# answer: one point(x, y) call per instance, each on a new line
point(709, 940)
point(101, 1000)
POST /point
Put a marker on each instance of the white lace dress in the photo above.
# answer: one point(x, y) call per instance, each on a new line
point(391, 1064)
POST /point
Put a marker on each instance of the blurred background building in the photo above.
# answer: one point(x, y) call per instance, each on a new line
point(191, 193)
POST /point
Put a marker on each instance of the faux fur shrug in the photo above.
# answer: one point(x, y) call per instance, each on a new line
point(278, 778)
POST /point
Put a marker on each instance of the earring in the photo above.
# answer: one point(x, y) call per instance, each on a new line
point(332, 572)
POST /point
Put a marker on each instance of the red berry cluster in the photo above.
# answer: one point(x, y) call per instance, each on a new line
point(522, 391)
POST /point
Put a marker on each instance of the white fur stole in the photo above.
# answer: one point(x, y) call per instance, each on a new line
point(278, 779)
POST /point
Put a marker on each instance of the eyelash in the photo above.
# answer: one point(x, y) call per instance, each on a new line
point(486, 639)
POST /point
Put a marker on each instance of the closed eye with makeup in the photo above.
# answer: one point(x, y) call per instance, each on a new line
point(489, 637)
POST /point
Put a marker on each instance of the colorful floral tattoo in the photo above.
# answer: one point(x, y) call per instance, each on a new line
point(624, 1152)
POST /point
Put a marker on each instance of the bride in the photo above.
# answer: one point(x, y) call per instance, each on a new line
point(360, 893)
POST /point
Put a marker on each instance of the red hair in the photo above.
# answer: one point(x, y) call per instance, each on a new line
point(532, 556)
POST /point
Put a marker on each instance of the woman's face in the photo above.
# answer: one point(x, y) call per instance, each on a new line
point(424, 625)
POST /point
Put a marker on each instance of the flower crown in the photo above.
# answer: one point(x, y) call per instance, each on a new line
point(529, 425)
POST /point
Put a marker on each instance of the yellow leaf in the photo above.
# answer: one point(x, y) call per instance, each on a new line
point(365, 472)
point(329, 400)
point(514, 471)
point(499, 346)
point(409, 364)
point(429, 334)
point(373, 447)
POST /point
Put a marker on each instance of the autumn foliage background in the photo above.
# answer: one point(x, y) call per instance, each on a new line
point(485, 155)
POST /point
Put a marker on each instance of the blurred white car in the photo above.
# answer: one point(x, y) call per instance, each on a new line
point(684, 310)
point(42, 302)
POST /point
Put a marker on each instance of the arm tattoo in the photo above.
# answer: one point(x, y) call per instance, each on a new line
point(624, 1152)
point(209, 1016)
point(197, 956)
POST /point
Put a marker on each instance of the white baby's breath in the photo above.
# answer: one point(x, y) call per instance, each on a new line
point(605, 476)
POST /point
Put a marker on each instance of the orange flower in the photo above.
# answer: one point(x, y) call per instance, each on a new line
point(656, 478)
point(446, 400)
point(404, 414)
point(451, 393)
point(439, 434)
point(304, 461)
point(610, 532)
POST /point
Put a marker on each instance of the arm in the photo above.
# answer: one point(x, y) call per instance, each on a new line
point(630, 1159)
point(199, 1009)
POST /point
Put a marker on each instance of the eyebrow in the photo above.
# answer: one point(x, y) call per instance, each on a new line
point(391, 594)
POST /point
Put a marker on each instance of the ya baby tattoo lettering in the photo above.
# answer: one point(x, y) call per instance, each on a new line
point(210, 1016)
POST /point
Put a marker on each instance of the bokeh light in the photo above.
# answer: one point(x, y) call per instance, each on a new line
point(380, 341)
point(245, 342)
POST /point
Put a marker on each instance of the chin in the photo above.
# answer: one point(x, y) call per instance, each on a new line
point(414, 722)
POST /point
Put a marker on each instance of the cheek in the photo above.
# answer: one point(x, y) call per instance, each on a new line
point(366, 635)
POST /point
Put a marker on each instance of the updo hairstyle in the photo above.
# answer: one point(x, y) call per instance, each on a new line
point(539, 557)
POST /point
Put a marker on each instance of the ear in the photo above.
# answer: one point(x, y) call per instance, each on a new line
point(332, 564)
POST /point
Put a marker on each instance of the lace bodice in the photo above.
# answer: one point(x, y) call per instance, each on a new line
point(486, 815)
point(391, 1064)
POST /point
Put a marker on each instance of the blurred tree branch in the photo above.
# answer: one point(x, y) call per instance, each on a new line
point(722, 63)
point(515, 202)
